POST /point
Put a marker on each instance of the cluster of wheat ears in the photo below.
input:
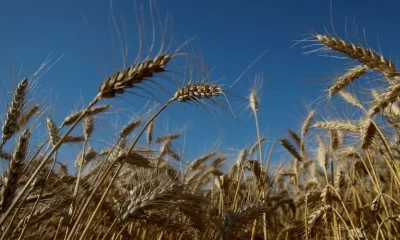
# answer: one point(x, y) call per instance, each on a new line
point(339, 189)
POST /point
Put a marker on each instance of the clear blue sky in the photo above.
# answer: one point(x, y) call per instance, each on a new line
point(231, 34)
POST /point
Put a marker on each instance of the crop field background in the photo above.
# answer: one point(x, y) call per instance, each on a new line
point(220, 120)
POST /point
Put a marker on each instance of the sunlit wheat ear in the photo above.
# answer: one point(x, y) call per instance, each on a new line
point(91, 112)
point(52, 131)
point(322, 153)
point(132, 76)
point(365, 56)
point(290, 148)
point(344, 80)
point(197, 92)
point(345, 126)
point(242, 157)
point(10, 125)
point(386, 98)
point(352, 99)
point(12, 175)
point(254, 104)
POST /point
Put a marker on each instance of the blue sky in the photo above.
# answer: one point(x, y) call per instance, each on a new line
point(231, 34)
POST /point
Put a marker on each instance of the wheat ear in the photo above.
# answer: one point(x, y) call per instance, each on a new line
point(10, 125)
point(150, 132)
point(133, 75)
point(93, 111)
point(385, 99)
point(295, 137)
point(367, 132)
point(12, 174)
point(345, 126)
point(365, 56)
point(344, 80)
point(196, 92)
point(290, 148)
point(304, 129)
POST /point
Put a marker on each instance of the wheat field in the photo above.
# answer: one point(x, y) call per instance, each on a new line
point(340, 180)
